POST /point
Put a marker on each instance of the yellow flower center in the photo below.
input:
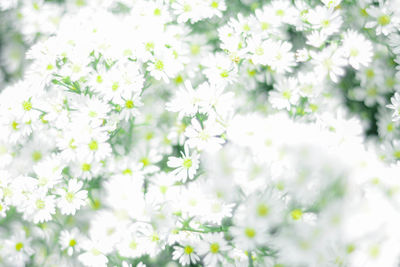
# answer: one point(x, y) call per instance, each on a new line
point(129, 104)
point(214, 248)
point(187, 163)
point(27, 105)
point(262, 210)
point(19, 246)
point(72, 242)
point(384, 20)
point(188, 250)
point(69, 197)
point(93, 145)
point(86, 167)
point(159, 65)
point(250, 232)
point(296, 214)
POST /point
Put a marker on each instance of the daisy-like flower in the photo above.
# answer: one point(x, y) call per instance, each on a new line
point(18, 248)
point(94, 145)
point(327, 20)
point(330, 61)
point(205, 138)
point(70, 240)
point(95, 109)
point(186, 102)
point(286, 93)
point(212, 247)
point(48, 172)
point(358, 55)
point(130, 106)
point(280, 57)
point(164, 65)
point(72, 197)
point(185, 166)
point(395, 105)
point(40, 207)
point(94, 255)
point(219, 69)
point(186, 10)
point(248, 235)
point(185, 253)
point(385, 19)
point(331, 3)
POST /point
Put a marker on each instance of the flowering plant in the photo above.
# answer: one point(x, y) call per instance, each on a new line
point(201, 133)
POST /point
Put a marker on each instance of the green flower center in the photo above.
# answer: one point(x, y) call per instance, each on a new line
point(159, 65)
point(36, 156)
point(259, 51)
point(69, 197)
point(145, 161)
point(187, 8)
point(133, 245)
point(99, 79)
point(40, 204)
point(95, 252)
point(115, 86)
point(224, 74)
point(265, 25)
point(280, 12)
point(27, 105)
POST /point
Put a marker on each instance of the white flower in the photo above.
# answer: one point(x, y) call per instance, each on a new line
point(48, 172)
point(40, 207)
point(213, 247)
point(186, 102)
point(358, 55)
point(72, 197)
point(185, 166)
point(185, 253)
point(94, 254)
point(327, 20)
point(280, 57)
point(130, 106)
point(219, 69)
point(248, 235)
point(187, 10)
point(70, 240)
point(206, 137)
point(316, 38)
point(395, 105)
point(164, 65)
point(330, 61)
point(94, 145)
point(331, 3)
point(286, 93)
point(18, 249)
point(385, 18)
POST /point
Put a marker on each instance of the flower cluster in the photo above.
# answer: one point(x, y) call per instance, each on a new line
point(200, 132)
